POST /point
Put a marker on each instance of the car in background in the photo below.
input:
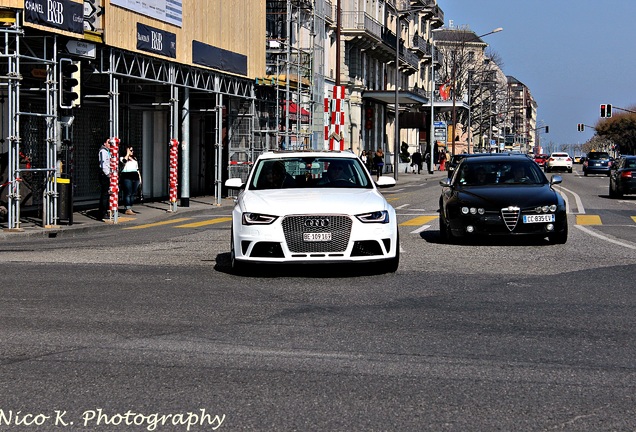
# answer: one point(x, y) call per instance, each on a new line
point(623, 177)
point(597, 162)
point(558, 161)
point(578, 159)
point(312, 207)
point(540, 159)
point(503, 195)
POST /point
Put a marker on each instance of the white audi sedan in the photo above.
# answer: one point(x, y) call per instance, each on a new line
point(312, 207)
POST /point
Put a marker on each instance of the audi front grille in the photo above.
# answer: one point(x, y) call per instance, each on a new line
point(295, 226)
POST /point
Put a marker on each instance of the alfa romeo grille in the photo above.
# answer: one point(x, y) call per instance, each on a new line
point(510, 216)
point(338, 226)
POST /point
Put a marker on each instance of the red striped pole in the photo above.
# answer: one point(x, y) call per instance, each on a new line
point(174, 145)
point(114, 179)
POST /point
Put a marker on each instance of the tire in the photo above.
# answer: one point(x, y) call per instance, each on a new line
point(391, 265)
point(443, 228)
point(238, 267)
point(560, 237)
point(570, 170)
point(585, 173)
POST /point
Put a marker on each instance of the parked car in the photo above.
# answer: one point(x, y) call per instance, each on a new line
point(503, 195)
point(623, 177)
point(540, 159)
point(312, 207)
point(597, 162)
point(559, 161)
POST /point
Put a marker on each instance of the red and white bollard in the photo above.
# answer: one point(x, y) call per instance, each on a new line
point(174, 152)
point(114, 179)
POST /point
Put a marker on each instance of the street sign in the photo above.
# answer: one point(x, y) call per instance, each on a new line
point(81, 48)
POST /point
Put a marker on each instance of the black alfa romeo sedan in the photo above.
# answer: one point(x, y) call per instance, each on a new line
point(502, 195)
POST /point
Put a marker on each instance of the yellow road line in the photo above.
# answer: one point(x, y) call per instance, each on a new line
point(168, 222)
point(420, 220)
point(205, 222)
point(588, 220)
point(634, 218)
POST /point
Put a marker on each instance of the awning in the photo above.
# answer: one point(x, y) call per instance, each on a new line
point(292, 109)
point(404, 97)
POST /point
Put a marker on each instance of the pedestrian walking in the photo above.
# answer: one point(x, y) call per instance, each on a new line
point(442, 160)
point(130, 179)
point(416, 159)
point(378, 162)
point(364, 158)
point(104, 180)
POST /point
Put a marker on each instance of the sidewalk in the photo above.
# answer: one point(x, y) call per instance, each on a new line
point(153, 211)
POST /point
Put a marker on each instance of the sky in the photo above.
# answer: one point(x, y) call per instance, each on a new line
point(573, 55)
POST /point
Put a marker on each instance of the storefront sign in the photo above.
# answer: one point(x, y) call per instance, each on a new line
point(60, 14)
point(170, 11)
point(156, 41)
point(218, 58)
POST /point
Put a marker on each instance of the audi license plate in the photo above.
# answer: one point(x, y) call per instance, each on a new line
point(538, 218)
point(317, 237)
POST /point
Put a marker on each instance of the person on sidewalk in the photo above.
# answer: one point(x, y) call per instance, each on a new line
point(378, 162)
point(104, 180)
point(417, 161)
point(442, 160)
point(130, 179)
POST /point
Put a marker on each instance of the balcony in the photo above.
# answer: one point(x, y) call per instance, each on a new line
point(410, 59)
point(437, 17)
point(360, 24)
point(330, 12)
point(421, 46)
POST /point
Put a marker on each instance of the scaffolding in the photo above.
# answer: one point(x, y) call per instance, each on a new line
point(290, 95)
point(28, 94)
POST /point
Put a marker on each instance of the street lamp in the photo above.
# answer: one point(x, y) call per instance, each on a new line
point(454, 121)
point(396, 149)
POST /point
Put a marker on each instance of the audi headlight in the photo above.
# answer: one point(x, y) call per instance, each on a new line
point(258, 219)
point(374, 217)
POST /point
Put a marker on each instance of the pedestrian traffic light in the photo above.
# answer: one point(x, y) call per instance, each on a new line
point(368, 123)
point(608, 110)
point(603, 110)
point(70, 80)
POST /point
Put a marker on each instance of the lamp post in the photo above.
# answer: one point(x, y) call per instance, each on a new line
point(454, 120)
point(396, 149)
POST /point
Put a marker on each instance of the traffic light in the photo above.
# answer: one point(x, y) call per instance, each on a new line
point(368, 121)
point(547, 129)
point(608, 110)
point(603, 110)
point(70, 80)
point(580, 127)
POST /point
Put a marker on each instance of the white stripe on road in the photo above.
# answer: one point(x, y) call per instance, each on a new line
point(420, 229)
point(602, 237)
point(577, 198)
point(402, 206)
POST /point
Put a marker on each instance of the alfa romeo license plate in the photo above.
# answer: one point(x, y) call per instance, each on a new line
point(538, 218)
point(317, 237)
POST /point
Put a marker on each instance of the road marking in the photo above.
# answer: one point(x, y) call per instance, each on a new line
point(577, 198)
point(633, 218)
point(420, 229)
point(588, 220)
point(602, 237)
point(205, 222)
point(402, 206)
point(168, 222)
point(419, 220)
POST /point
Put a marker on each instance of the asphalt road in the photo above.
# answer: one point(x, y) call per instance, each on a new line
point(151, 326)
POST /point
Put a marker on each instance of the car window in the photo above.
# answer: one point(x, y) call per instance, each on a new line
point(598, 155)
point(560, 155)
point(501, 172)
point(630, 163)
point(309, 172)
